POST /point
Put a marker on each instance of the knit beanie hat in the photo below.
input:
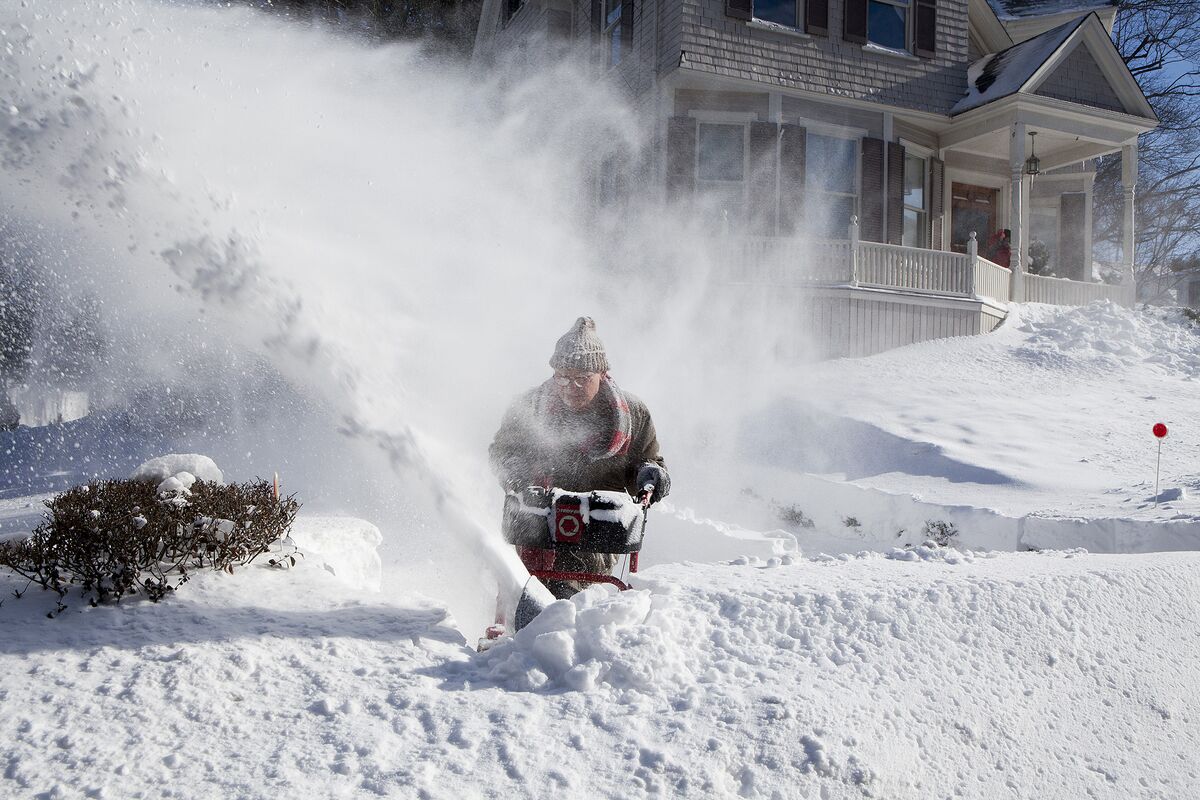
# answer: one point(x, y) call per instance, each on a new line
point(580, 348)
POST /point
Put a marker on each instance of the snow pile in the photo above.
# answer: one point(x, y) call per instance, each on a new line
point(1045, 421)
point(188, 468)
point(1105, 336)
point(626, 640)
point(1022, 674)
point(342, 546)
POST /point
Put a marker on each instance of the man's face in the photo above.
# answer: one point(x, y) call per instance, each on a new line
point(577, 388)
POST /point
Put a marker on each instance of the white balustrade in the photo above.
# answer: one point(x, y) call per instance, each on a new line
point(1063, 292)
point(783, 261)
point(928, 271)
point(992, 281)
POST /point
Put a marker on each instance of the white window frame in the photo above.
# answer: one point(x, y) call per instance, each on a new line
point(925, 154)
point(909, 16)
point(611, 27)
point(856, 135)
point(742, 118)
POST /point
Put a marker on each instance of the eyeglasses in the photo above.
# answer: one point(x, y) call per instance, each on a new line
point(578, 382)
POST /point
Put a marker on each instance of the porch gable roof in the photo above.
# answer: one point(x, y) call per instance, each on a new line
point(1024, 67)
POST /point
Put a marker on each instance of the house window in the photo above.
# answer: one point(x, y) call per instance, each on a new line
point(612, 31)
point(781, 12)
point(887, 23)
point(721, 169)
point(916, 202)
point(831, 182)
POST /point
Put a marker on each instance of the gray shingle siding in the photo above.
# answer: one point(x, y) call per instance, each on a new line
point(715, 43)
point(1079, 80)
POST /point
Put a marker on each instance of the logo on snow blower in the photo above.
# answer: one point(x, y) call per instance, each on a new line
point(568, 521)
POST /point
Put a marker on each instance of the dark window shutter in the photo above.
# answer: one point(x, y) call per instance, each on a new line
point(764, 168)
point(1071, 263)
point(739, 9)
point(895, 193)
point(937, 202)
point(926, 28)
point(626, 28)
point(681, 158)
point(855, 28)
point(816, 17)
point(791, 178)
point(870, 224)
point(597, 18)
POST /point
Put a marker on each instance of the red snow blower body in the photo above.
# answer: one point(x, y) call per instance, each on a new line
point(543, 523)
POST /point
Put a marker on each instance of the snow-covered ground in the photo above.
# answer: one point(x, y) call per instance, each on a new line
point(934, 674)
point(337, 262)
point(890, 669)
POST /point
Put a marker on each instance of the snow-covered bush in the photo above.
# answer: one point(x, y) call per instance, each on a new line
point(795, 517)
point(113, 538)
point(940, 532)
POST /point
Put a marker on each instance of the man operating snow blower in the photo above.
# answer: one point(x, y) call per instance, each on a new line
point(578, 459)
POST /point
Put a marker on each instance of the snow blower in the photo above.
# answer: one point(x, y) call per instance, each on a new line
point(543, 523)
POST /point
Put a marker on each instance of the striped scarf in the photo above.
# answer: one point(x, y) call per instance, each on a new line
point(612, 442)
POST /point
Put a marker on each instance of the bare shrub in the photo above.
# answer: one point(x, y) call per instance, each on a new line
point(940, 532)
point(794, 515)
point(118, 537)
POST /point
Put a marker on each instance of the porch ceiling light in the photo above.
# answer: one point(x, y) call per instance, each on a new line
point(1033, 165)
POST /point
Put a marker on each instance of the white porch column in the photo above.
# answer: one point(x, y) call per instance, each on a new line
point(1089, 186)
point(1016, 209)
point(1129, 175)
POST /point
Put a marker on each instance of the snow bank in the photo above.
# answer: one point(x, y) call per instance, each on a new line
point(1046, 419)
point(344, 546)
point(195, 466)
point(1106, 337)
point(622, 639)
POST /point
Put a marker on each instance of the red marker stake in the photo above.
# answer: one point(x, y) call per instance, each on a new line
point(1160, 433)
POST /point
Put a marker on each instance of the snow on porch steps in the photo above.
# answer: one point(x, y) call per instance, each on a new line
point(953, 674)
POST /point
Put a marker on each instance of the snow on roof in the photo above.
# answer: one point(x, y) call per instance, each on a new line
point(1018, 9)
point(1004, 73)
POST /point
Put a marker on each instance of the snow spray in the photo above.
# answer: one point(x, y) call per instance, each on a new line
point(400, 240)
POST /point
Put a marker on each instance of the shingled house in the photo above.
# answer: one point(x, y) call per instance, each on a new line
point(868, 156)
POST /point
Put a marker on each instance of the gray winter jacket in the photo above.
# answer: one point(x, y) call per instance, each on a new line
point(533, 447)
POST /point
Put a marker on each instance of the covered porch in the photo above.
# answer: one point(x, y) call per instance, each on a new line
point(1021, 150)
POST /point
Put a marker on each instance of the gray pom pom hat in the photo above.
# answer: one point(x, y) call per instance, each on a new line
point(580, 348)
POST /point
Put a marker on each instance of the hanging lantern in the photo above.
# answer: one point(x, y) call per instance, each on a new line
point(1033, 165)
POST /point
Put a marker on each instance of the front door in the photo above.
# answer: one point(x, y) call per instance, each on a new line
point(972, 208)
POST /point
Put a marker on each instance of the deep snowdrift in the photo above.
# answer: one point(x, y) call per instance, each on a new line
point(937, 674)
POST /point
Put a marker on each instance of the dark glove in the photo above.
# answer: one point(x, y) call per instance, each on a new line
point(651, 473)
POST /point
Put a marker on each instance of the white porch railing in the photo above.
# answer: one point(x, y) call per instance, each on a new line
point(992, 281)
point(1063, 292)
point(927, 271)
point(785, 261)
